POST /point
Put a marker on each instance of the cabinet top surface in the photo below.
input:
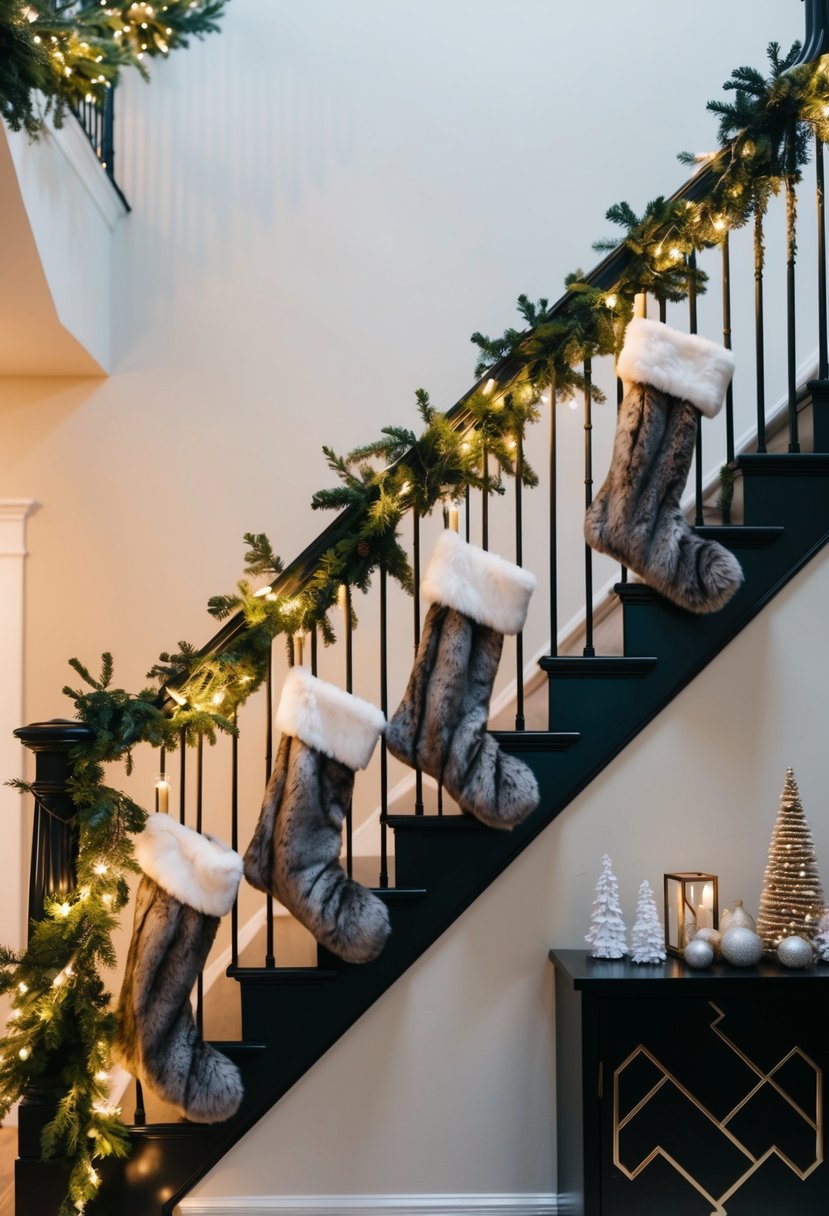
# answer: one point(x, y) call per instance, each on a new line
point(626, 978)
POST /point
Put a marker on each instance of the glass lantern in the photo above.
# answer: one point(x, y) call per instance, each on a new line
point(691, 903)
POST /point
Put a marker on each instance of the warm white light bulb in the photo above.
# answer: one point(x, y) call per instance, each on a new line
point(64, 909)
point(100, 868)
point(610, 300)
point(24, 1053)
point(22, 987)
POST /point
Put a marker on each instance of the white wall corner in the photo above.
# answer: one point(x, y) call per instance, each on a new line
point(378, 1205)
point(13, 515)
point(79, 154)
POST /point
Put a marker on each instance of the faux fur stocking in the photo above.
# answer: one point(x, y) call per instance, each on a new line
point(440, 726)
point(189, 882)
point(295, 850)
point(635, 518)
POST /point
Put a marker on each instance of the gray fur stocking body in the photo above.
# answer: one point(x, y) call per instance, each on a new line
point(295, 850)
point(440, 726)
point(636, 517)
point(441, 723)
point(157, 1038)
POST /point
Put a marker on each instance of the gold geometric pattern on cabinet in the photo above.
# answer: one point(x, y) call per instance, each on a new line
point(659, 1095)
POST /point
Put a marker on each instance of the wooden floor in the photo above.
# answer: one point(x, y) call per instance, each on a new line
point(8, 1152)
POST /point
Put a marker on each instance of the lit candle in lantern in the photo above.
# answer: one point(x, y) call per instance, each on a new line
point(453, 518)
point(299, 646)
point(163, 790)
point(640, 304)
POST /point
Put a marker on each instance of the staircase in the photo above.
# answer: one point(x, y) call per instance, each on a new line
point(444, 861)
point(597, 705)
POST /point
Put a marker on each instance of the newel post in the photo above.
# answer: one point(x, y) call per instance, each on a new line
point(39, 1186)
point(54, 844)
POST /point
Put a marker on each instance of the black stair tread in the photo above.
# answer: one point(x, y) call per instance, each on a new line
point(436, 823)
point(237, 1047)
point(741, 536)
point(601, 665)
point(784, 464)
point(400, 895)
point(536, 740)
point(638, 593)
point(282, 975)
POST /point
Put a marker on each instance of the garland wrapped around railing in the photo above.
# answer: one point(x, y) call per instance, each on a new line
point(61, 1027)
point(56, 55)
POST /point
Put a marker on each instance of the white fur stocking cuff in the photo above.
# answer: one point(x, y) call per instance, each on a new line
point(195, 869)
point(682, 365)
point(481, 585)
point(333, 722)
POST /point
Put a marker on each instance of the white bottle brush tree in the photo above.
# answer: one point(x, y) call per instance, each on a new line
point(648, 937)
point(606, 937)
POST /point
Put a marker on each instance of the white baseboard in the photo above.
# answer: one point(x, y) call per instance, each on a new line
point(378, 1205)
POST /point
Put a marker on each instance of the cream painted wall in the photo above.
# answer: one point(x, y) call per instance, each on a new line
point(447, 1084)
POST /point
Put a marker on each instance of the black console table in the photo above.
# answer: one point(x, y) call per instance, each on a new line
point(690, 1093)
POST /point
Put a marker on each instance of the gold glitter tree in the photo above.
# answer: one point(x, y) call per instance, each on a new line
point(792, 901)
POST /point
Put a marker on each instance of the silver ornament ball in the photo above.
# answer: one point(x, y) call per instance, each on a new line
point(713, 937)
point(741, 947)
point(699, 954)
point(795, 952)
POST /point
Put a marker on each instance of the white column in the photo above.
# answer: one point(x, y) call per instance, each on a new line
point(13, 514)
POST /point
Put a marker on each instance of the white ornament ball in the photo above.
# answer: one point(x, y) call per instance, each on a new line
point(699, 954)
point(713, 937)
point(741, 947)
point(795, 952)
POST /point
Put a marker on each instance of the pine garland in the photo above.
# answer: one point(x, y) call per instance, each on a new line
point(67, 55)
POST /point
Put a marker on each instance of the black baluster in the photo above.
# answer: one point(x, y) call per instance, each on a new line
point(485, 497)
point(270, 957)
point(692, 327)
point(663, 310)
point(314, 644)
point(620, 396)
point(234, 838)
point(519, 559)
point(823, 358)
point(759, 339)
point(384, 706)
point(349, 685)
point(553, 524)
point(467, 523)
point(182, 775)
point(589, 650)
point(416, 574)
point(140, 1116)
point(726, 339)
point(199, 826)
point(791, 327)
point(349, 643)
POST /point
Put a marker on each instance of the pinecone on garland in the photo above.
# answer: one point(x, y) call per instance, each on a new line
point(363, 548)
point(792, 902)
point(607, 936)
